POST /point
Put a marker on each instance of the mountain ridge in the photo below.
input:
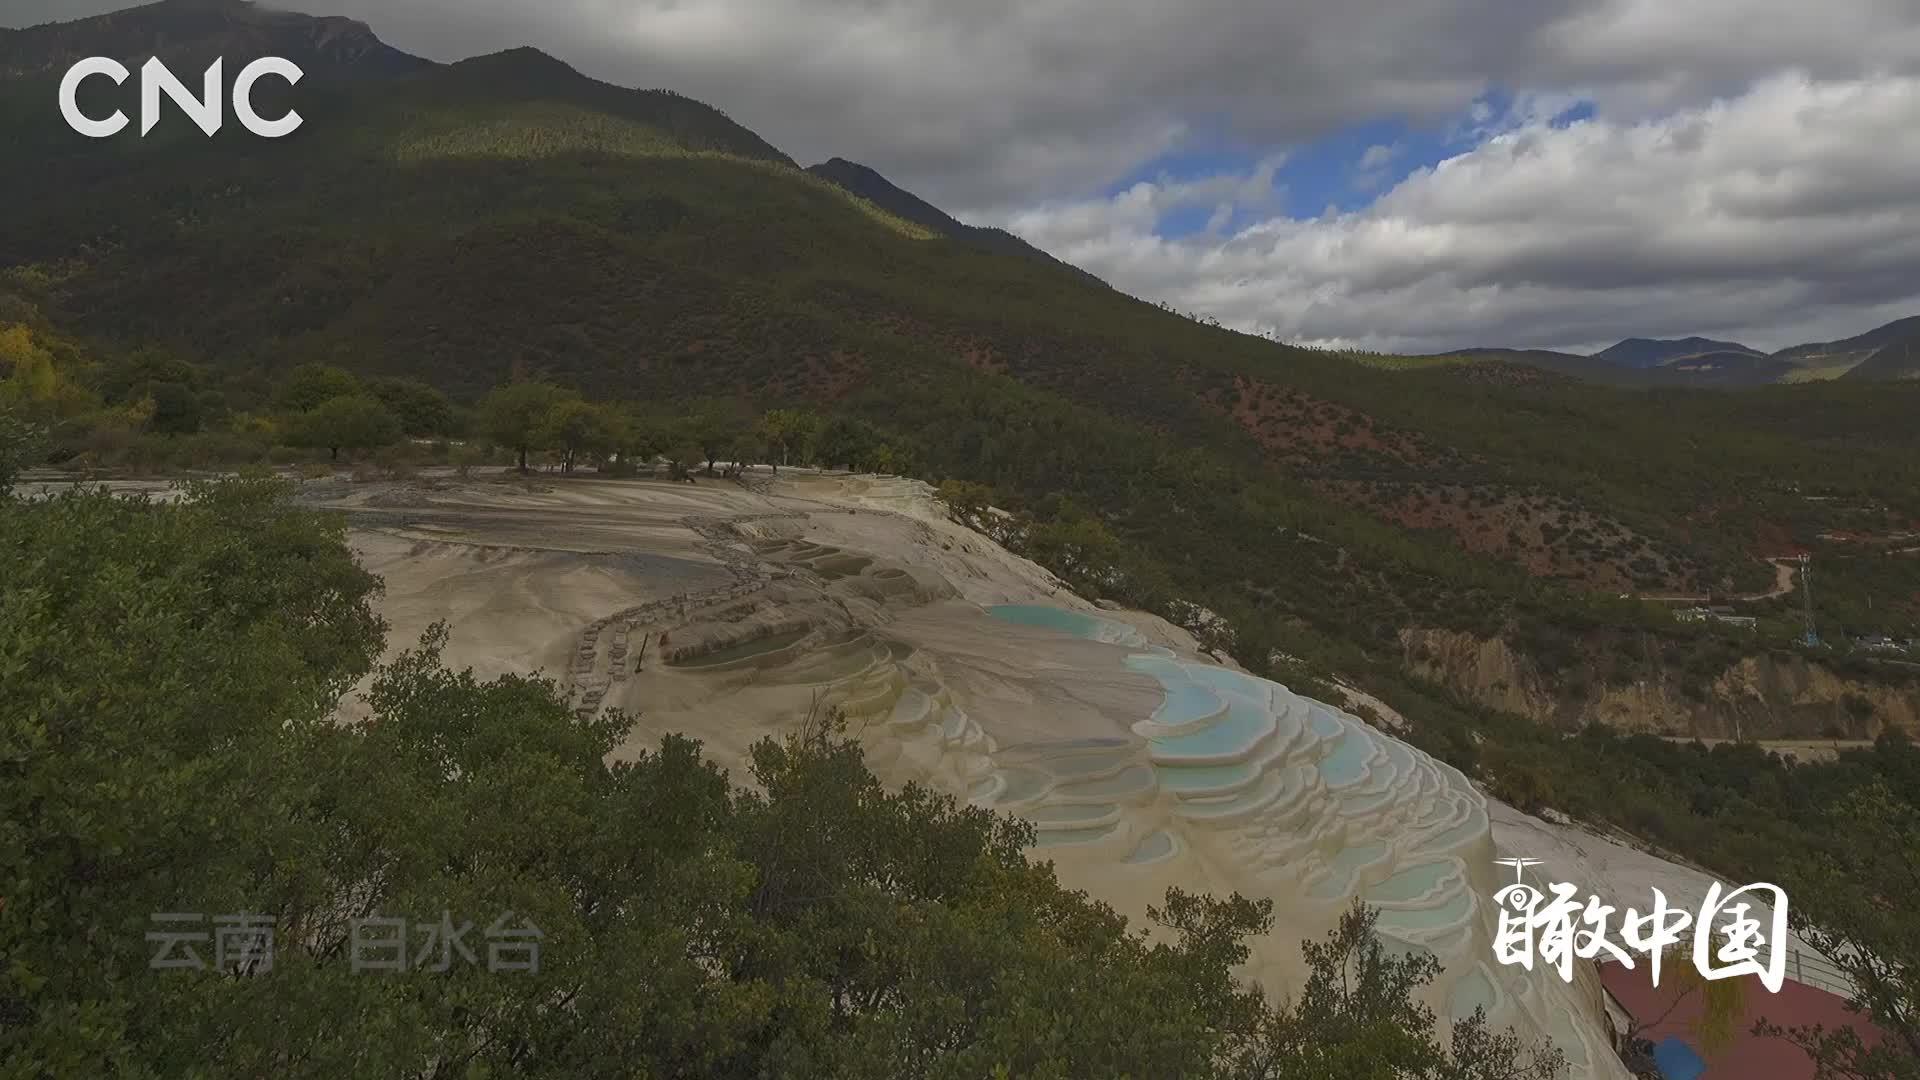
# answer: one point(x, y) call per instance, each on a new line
point(196, 32)
point(1654, 352)
point(1887, 352)
point(867, 182)
point(1877, 337)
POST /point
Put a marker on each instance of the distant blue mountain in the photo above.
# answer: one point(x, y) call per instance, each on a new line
point(1641, 353)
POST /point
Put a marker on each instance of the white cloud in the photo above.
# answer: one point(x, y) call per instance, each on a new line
point(1371, 171)
point(1786, 213)
point(1669, 211)
point(993, 103)
point(1655, 55)
point(1378, 156)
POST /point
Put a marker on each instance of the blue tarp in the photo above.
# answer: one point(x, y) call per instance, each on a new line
point(1677, 1061)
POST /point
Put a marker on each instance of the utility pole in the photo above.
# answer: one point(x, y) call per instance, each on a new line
point(1806, 596)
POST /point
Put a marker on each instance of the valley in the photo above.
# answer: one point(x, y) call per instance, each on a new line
point(541, 412)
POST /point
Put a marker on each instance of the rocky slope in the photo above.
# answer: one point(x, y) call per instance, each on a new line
point(1761, 696)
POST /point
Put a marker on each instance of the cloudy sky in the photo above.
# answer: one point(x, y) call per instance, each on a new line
point(1403, 174)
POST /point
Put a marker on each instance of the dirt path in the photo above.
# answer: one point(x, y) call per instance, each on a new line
point(1782, 585)
point(1797, 749)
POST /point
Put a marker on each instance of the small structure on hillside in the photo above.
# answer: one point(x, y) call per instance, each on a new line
point(1670, 1021)
point(1722, 615)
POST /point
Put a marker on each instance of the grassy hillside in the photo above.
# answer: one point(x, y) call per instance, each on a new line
point(1899, 359)
point(506, 217)
point(1882, 353)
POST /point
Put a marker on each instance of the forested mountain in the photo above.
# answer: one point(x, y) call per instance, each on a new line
point(1648, 352)
point(1873, 339)
point(191, 33)
point(1900, 360)
point(1701, 371)
point(871, 186)
point(508, 218)
point(1547, 358)
point(1889, 352)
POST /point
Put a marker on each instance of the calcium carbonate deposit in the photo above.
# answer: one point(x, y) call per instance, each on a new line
point(731, 612)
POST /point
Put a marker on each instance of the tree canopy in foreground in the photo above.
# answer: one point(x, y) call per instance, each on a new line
point(168, 747)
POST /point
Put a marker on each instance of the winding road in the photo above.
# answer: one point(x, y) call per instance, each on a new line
point(1782, 585)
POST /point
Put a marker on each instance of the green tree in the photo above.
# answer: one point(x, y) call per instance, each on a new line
point(1853, 901)
point(716, 425)
point(346, 423)
point(131, 376)
point(21, 444)
point(577, 428)
point(37, 382)
point(748, 448)
point(163, 778)
point(1358, 1018)
point(309, 386)
point(177, 409)
point(423, 411)
point(682, 455)
point(672, 434)
point(966, 501)
point(786, 432)
point(641, 435)
point(1078, 546)
point(512, 415)
point(1721, 1003)
point(27, 371)
point(844, 441)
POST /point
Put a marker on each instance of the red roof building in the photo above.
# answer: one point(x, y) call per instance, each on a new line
point(1750, 1057)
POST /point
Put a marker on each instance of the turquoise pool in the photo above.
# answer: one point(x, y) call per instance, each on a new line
point(1348, 760)
point(1344, 865)
point(1236, 733)
point(1447, 914)
point(1220, 678)
point(1353, 858)
point(1076, 623)
point(1185, 703)
point(1154, 848)
point(1069, 813)
point(1475, 824)
point(1065, 837)
point(1411, 883)
point(1188, 779)
point(1473, 991)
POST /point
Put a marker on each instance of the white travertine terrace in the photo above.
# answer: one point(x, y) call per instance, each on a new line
point(958, 665)
point(1310, 806)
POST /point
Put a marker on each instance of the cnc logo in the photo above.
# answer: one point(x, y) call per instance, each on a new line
point(204, 111)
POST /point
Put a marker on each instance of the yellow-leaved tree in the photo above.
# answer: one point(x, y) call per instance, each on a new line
point(27, 375)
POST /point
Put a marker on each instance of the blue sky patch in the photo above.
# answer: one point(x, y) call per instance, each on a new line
point(1343, 171)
